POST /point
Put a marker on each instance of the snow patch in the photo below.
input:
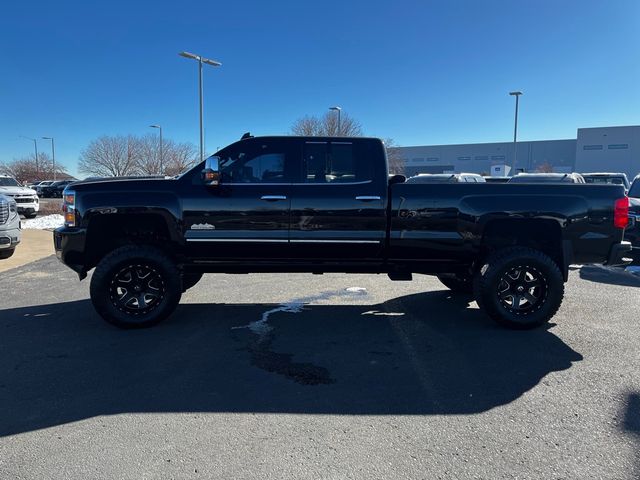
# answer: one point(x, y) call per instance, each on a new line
point(44, 223)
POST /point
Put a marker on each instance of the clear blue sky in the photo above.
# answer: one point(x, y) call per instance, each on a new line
point(421, 72)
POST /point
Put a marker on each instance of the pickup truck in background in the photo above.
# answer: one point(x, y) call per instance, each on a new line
point(328, 204)
point(10, 232)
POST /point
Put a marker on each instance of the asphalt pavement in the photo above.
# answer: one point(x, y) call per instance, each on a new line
point(319, 377)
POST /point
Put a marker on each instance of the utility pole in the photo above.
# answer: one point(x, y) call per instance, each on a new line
point(200, 61)
point(515, 132)
point(53, 155)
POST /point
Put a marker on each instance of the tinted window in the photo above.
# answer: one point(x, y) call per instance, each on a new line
point(253, 163)
point(334, 163)
point(634, 191)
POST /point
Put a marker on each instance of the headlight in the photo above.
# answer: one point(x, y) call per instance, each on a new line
point(69, 208)
point(13, 207)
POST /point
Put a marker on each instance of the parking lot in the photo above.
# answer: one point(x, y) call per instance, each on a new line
point(333, 376)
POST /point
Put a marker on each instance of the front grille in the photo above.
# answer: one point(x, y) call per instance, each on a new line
point(24, 200)
point(4, 212)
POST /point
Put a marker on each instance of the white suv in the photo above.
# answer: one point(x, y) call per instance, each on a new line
point(26, 198)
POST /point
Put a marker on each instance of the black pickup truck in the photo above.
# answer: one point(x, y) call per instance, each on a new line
point(320, 204)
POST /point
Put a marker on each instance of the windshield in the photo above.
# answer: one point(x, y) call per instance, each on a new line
point(614, 180)
point(8, 182)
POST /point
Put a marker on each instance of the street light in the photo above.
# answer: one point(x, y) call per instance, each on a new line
point(161, 159)
point(35, 145)
point(337, 109)
point(515, 131)
point(200, 61)
point(53, 155)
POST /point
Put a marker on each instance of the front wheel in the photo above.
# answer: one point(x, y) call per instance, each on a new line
point(519, 287)
point(7, 253)
point(135, 287)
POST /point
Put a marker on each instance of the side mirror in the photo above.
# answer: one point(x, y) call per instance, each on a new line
point(211, 172)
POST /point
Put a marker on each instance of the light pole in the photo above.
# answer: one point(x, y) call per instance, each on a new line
point(515, 131)
point(200, 61)
point(161, 159)
point(337, 109)
point(53, 155)
point(35, 145)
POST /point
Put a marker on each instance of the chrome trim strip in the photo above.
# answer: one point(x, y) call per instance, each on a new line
point(222, 184)
point(273, 197)
point(334, 241)
point(246, 240)
point(366, 198)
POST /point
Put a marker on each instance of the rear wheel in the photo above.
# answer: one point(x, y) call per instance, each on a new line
point(135, 287)
point(519, 287)
point(457, 282)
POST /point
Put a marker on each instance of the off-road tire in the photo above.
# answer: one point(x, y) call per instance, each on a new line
point(149, 271)
point(498, 284)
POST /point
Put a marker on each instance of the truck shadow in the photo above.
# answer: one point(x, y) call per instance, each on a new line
point(609, 275)
point(420, 354)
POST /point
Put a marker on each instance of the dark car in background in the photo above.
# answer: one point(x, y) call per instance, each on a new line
point(547, 178)
point(607, 177)
point(54, 189)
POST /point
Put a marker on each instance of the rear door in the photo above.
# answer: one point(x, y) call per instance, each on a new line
point(338, 204)
point(247, 215)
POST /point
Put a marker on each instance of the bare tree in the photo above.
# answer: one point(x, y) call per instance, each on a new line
point(25, 169)
point(327, 125)
point(131, 155)
point(111, 157)
point(394, 157)
point(178, 157)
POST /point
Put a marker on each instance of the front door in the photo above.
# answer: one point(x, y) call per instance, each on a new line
point(246, 216)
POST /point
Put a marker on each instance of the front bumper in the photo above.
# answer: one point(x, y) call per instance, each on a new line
point(620, 254)
point(69, 244)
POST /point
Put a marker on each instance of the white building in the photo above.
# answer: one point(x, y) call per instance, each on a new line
point(604, 149)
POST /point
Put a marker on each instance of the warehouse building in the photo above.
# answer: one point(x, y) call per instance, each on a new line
point(601, 149)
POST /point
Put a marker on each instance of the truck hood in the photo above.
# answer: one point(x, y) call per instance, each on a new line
point(14, 191)
point(125, 184)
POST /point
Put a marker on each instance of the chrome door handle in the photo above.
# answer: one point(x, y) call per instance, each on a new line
point(367, 198)
point(273, 198)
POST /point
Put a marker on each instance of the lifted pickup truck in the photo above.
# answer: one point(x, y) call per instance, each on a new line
point(320, 204)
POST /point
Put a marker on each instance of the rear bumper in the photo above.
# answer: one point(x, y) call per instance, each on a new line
point(620, 254)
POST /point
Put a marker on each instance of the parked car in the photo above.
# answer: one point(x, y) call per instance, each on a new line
point(26, 198)
point(490, 179)
point(39, 185)
point(327, 204)
point(446, 178)
point(54, 189)
point(547, 178)
point(632, 234)
point(9, 226)
point(615, 178)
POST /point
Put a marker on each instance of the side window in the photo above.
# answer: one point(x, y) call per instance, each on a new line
point(335, 163)
point(256, 163)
